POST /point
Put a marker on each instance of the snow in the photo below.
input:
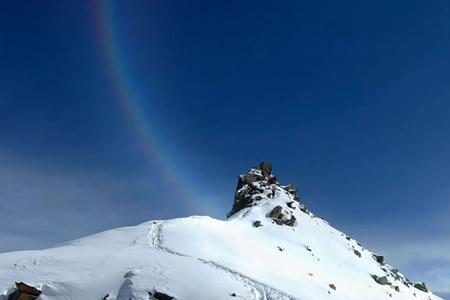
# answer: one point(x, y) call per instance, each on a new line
point(205, 258)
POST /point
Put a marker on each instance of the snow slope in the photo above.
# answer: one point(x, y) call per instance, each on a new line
point(204, 258)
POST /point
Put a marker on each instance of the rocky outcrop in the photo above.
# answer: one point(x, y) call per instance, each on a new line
point(421, 286)
point(24, 292)
point(381, 280)
point(378, 258)
point(260, 184)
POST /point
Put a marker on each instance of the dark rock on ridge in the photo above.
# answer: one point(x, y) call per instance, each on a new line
point(421, 286)
point(266, 169)
point(378, 258)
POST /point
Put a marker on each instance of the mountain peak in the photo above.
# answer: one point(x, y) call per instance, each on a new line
point(258, 186)
point(270, 248)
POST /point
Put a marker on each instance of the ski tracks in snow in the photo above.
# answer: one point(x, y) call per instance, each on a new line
point(258, 290)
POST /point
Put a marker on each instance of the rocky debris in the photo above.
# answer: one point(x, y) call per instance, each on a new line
point(278, 221)
point(290, 222)
point(257, 223)
point(266, 169)
point(421, 286)
point(394, 273)
point(381, 280)
point(160, 296)
point(291, 190)
point(378, 258)
point(24, 292)
point(331, 285)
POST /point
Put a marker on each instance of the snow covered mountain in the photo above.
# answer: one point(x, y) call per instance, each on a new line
point(270, 247)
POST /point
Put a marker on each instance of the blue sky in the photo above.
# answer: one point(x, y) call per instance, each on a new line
point(113, 113)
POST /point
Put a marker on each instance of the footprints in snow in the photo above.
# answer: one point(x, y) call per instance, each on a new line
point(259, 290)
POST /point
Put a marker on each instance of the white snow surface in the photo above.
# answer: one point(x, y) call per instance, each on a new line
point(199, 257)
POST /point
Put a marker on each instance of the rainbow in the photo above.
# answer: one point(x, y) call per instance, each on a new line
point(141, 120)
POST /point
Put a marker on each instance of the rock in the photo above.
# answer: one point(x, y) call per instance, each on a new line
point(332, 286)
point(266, 169)
point(106, 297)
point(272, 180)
point(257, 223)
point(245, 189)
point(304, 209)
point(421, 286)
point(292, 190)
point(258, 185)
point(24, 292)
point(25, 288)
point(396, 288)
point(290, 222)
point(161, 296)
point(233, 295)
point(378, 258)
point(381, 280)
point(276, 213)
point(357, 253)
point(278, 221)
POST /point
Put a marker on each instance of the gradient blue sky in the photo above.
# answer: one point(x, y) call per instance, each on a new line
point(349, 100)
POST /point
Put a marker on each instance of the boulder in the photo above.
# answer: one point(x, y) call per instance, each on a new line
point(276, 213)
point(257, 223)
point(357, 253)
point(381, 280)
point(266, 169)
point(331, 285)
point(24, 292)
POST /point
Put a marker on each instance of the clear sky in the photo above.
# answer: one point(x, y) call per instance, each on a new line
point(113, 113)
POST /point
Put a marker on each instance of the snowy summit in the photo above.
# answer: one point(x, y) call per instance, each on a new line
point(270, 247)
